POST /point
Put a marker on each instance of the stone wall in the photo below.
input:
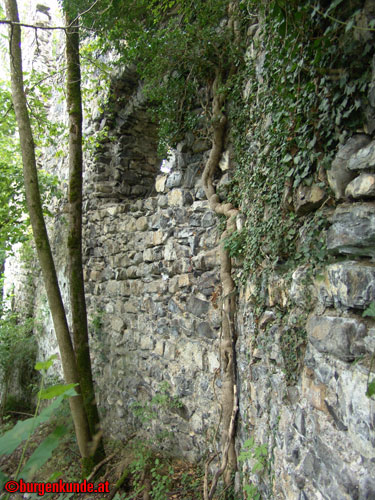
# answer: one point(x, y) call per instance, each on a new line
point(319, 431)
point(153, 294)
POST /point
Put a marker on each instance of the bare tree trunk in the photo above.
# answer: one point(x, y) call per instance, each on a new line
point(75, 264)
point(40, 232)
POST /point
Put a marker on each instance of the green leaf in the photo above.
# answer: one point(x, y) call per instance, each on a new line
point(23, 428)
point(57, 390)
point(54, 476)
point(257, 467)
point(286, 158)
point(334, 5)
point(3, 480)
point(249, 443)
point(371, 389)
point(44, 365)
point(370, 311)
point(349, 25)
point(43, 453)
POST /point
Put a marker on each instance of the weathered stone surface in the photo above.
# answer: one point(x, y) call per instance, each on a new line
point(348, 285)
point(174, 179)
point(302, 290)
point(308, 198)
point(339, 174)
point(363, 159)
point(335, 335)
point(197, 306)
point(176, 197)
point(160, 183)
point(353, 230)
point(318, 426)
point(142, 224)
point(152, 254)
point(362, 186)
point(204, 329)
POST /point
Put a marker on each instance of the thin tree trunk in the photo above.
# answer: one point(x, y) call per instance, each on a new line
point(75, 264)
point(40, 233)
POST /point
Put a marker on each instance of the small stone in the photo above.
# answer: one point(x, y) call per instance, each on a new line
point(204, 330)
point(162, 201)
point(152, 254)
point(362, 186)
point(174, 180)
point(197, 306)
point(160, 183)
point(169, 251)
point(117, 324)
point(308, 198)
point(142, 224)
point(176, 198)
point(209, 219)
point(334, 335)
point(315, 393)
point(302, 291)
point(339, 174)
point(364, 158)
point(184, 280)
point(157, 237)
point(353, 230)
point(348, 285)
point(266, 318)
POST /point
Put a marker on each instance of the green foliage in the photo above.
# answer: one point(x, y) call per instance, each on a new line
point(147, 411)
point(177, 48)
point(24, 429)
point(304, 91)
point(14, 221)
point(17, 356)
point(370, 312)
point(257, 454)
point(161, 481)
point(292, 343)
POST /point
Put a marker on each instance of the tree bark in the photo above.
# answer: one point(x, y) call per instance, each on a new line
point(75, 264)
point(228, 335)
point(40, 232)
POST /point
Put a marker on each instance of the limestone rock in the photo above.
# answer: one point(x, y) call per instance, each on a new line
point(179, 197)
point(339, 174)
point(363, 159)
point(362, 186)
point(160, 183)
point(174, 180)
point(302, 291)
point(348, 285)
point(335, 335)
point(197, 306)
point(353, 230)
point(142, 224)
point(308, 198)
point(204, 330)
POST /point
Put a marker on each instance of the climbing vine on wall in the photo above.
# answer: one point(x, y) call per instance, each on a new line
point(304, 84)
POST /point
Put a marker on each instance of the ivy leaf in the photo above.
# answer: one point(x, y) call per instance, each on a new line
point(334, 5)
point(349, 25)
point(370, 311)
point(371, 389)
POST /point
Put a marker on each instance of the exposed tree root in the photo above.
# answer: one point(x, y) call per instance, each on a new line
point(228, 338)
